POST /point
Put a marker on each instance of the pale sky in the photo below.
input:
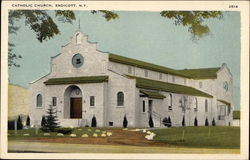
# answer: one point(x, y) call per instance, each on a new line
point(141, 35)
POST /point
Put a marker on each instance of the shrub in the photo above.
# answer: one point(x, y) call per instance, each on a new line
point(43, 121)
point(150, 122)
point(183, 121)
point(169, 122)
point(206, 122)
point(93, 123)
point(165, 121)
point(125, 122)
point(11, 125)
point(19, 123)
point(213, 122)
point(28, 121)
point(64, 130)
point(195, 122)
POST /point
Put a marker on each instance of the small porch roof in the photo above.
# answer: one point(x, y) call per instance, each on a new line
point(152, 94)
point(76, 80)
point(224, 102)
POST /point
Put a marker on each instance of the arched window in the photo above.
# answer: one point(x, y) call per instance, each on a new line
point(206, 106)
point(39, 100)
point(78, 38)
point(120, 99)
point(170, 102)
point(196, 105)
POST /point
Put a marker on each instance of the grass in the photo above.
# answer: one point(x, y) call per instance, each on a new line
point(216, 137)
point(32, 133)
point(201, 137)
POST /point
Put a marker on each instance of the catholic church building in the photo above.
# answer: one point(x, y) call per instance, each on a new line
point(84, 83)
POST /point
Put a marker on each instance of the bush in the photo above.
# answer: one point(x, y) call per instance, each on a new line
point(64, 130)
point(169, 122)
point(206, 122)
point(43, 121)
point(19, 123)
point(28, 121)
point(213, 122)
point(125, 122)
point(11, 124)
point(93, 123)
point(183, 121)
point(165, 121)
point(195, 122)
point(150, 122)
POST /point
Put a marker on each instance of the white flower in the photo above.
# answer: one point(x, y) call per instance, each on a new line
point(46, 134)
point(79, 129)
point(89, 130)
point(85, 135)
point(150, 137)
point(97, 130)
point(148, 132)
point(72, 135)
point(26, 134)
point(103, 135)
point(95, 135)
point(60, 134)
point(109, 133)
point(125, 129)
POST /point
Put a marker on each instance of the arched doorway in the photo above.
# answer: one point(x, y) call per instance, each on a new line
point(73, 102)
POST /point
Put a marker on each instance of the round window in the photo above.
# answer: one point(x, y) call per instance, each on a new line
point(225, 86)
point(77, 60)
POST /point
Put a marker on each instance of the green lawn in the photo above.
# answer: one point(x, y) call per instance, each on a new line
point(200, 137)
point(32, 133)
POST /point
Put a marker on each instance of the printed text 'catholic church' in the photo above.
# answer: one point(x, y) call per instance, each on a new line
point(86, 83)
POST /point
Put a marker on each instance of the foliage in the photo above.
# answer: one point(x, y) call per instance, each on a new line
point(43, 121)
point(64, 130)
point(195, 122)
point(193, 20)
point(93, 123)
point(51, 121)
point(213, 122)
point(108, 15)
point(169, 122)
point(206, 122)
point(183, 121)
point(125, 122)
point(11, 124)
point(165, 121)
point(150, 122)
point(196, 137)
point(19, 123)
point(28, 121)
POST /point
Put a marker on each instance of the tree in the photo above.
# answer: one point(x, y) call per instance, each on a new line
point(206, 122)
point(43, 25)
point(150, 122)
point(195, 122)
point(213, 122)
point(183, 121)
point(169, 122)
point(125, 122)
point(19, 123)
point(28, 121)
point(93, 123)
point(51, 121)
point(193, 20)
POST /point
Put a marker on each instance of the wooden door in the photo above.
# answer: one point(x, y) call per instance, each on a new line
point(75, 107)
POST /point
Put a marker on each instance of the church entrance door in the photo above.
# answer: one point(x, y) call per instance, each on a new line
point(75, 107)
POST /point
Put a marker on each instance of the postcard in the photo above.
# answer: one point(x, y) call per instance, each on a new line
point(125, 79)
